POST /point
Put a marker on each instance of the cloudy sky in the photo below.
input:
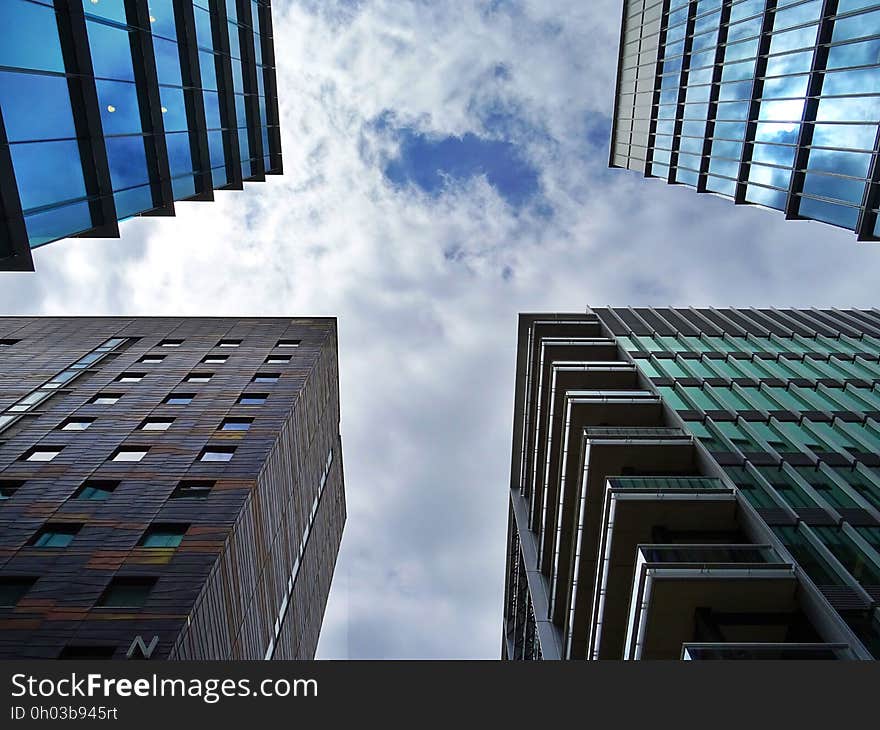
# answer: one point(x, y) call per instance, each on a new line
point(445, 169)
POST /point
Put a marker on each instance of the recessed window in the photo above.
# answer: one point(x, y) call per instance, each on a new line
point(129, 453)
point(8, 487)
point(217, 453)
point(156, 424)
point(77, 424)
point(127, 592)
point(151, 359)
point(288, 343)
point(179, 399)
point(106, 399)
point(81, 651)
point(170, 343)
point(215, 359)
point(13, 589)
point(8, 343)
point(130, 377)
point(252, 399)
point(278, 359)
point(96, 490)
point(192, 489)
point(229, 343)
point(42, 453)
point(55, 535)
point(266, 377)
point(163, 536)
point(198, 377)
point(236, 424)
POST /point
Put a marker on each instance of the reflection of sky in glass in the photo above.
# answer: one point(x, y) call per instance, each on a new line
point(35, 43)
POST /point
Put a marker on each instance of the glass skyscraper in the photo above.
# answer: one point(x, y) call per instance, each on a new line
point(116, 108)
point(695, 483)
point(769, 102)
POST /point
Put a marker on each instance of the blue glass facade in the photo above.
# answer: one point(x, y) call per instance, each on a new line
point(768, 102)
point(115, 108)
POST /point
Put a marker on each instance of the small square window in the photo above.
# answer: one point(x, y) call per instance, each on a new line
point(236, 424)
point(252, 399)
point(170, 343)
point(151, 359)
point(129, 453)
point(288, 343)
point(42, 453)
point(96, 490)
point(217, 453)
point(8, 487)
point(156, 424)
point(77, 424)
point(277, 359)
point(127, 592)
point(198, 377)
point(13, 589)
point(106, 399)
point(229, 343)
point(163, 536)
point(179, 399)
point(266, 377)
point(130, 377)
point(80, 651)
point(55, 535)
point(215, 359)
point(192, 489)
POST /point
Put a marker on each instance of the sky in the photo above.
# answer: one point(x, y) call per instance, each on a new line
point(445, 169)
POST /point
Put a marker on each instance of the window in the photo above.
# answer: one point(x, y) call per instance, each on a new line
point(55, 535)
point(277, 359)
point(8, 487)
point(106, 399)
point(163, 536)
point(266, 377)
point(42, 453)
point(96, 490)
point(236, 424)
point(72, 651)
point(170, 343)
point(217, 453)
point(179, 399)
point(192, 489)
point(229, 343)
point(129, 453)
point(288, 343)
point(215, 359)
point(13, 589)
point(151, 359)
point(127, 592)
point(130, 377)
point(156, 424)
point(77, 424)
point(198, 377)
point(252, 399)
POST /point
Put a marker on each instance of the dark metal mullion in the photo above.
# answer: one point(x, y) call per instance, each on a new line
point(147, 82)
point(655, 98)
point(811, 106)
point(755, 104)
point(194, 100)
point(251, 99)
point(15, 250)
point(871, 199)
point(87, 119)
point(714, 92)
point(682, 90)
point(270, 89)
point(226, 89)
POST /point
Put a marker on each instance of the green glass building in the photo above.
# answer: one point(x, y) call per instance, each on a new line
point(696, 484)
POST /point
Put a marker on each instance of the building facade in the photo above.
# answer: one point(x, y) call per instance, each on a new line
point(115, 108)
point(695, 483)
point(169, 487)
point(769, 102)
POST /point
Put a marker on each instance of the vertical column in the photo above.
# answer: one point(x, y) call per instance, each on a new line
point(231, 151)
point(655, 98)
point(251, 99)
point(714, 91)
point(15, 251)
point(811, 105)
point(270, 84)
point(682, 90)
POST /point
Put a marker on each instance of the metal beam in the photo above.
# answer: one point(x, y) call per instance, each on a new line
point(270, 88)
point(682, 91)
point(15, 250)
point(714, 92)
point(226, 89)
point(655, 98)
point(251, 99)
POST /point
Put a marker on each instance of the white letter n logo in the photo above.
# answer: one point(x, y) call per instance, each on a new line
point(138, 644)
